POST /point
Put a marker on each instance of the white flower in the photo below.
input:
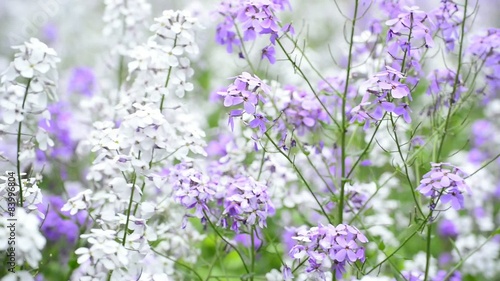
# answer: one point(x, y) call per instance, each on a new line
point(43, 139)
point(18, 276)
point(34, 58)
point(77, 203)
point(29, 240)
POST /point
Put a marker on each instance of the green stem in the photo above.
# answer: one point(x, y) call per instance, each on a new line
point(125, 231)
point(301, 177)
point(455, 83)
point(227, 242)
point(19, 128)
point(428, 251)
point(247, 58)
point(295, 66)
point(344, 125)
point(169, 73)
point(252, 252)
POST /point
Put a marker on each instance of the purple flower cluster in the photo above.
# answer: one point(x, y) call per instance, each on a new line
point(255, 18)
point(444, 183)
point(236, 201)
point(192, 189)
point(487, 48)
point(482, 135)
point(247, 90)
point(441, 275)
point(328, 248)
point(441, 85)
point(448, 20)
point(407, 36)
point(60, 126)
point(246, 203)
point(383, 95)
point(303, 110)
point(82, 81)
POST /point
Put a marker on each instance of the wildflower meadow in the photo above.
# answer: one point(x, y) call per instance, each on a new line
point(198, 140)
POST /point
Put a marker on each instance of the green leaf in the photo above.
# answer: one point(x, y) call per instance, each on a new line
point(381, 246)
point(496, 232)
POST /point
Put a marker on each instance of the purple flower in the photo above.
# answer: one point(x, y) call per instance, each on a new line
point(247, 90)
point(455, 276)
point(445, 183)
point(254, 18)
point(329, 248)
point(447, 229)
point(403, 110)
point(413, 275)
point(192, 189)
point(269, 53)
point(303, 110)
point(448, 20)
point(246, 203)
point(246, 240)
point(260, 122)
point(82, 81)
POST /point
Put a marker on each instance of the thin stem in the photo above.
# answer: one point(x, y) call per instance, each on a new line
point(125, 231)
point(19, 128)
point(295, 66)
point(301, 177)
point(179, 263)
point(225, 240)
point(244, 49)
point(407, 173)
point(455, 83)
point(428, 251)
point(344, 125)
point(483, 166)
point(252, 252)
point(167, 80)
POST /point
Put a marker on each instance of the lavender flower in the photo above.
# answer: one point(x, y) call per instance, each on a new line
point(455, 276)
point(448, 20)
point(303, 110)
point(447, 229)
point(487, 48)
point(444, 183)
point(191, 188)
point(254, 18)
point(328, 248)
point(246, 203)
point(247, 90)
point(82, 81)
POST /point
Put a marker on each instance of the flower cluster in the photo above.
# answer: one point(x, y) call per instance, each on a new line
point(486, 49)
point(329, 248)
point(82, 81)
point(246, 203)
point(35, 62)
point(303, 110)
point(247, 90)
point(161, 64)
point(255, 17)
point(407, 36)
point(29, 240)
point(192, 189)
point(123, 21)
point(442, 85)
point(448, 20)
point(444, 183)
point(387, 94)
